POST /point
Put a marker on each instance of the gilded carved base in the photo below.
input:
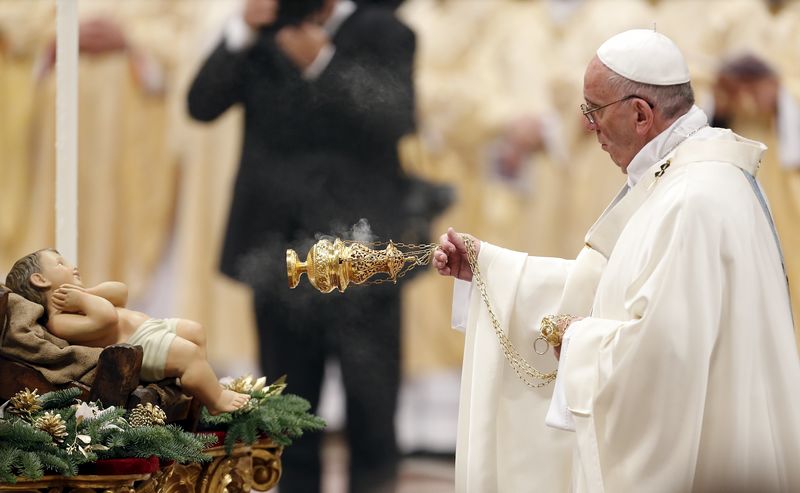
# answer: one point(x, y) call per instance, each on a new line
point(79, 484)
point(267, 467)
point(256, 467)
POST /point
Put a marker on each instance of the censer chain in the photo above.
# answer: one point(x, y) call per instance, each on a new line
point(527, 373)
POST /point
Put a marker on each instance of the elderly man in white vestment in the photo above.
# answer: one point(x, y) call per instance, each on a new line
point(678, 369)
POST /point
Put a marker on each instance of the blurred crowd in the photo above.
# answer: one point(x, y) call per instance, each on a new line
point(498, 84)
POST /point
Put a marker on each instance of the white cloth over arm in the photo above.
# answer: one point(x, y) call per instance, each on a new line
point(503, 443)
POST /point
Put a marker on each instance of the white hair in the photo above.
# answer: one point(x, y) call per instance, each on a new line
point(671, 101)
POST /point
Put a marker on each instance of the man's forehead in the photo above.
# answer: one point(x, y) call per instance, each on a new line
point(594, 86)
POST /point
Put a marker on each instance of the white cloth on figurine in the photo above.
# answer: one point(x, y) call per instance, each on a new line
point(155, 335)
point(644, 55)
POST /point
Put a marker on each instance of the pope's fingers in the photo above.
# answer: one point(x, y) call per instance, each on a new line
point(456, 240)
point(447, 248)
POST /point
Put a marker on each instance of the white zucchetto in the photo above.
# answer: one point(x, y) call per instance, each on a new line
point(646, 56)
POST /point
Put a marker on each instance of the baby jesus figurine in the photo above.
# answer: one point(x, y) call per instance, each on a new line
point(97, 317)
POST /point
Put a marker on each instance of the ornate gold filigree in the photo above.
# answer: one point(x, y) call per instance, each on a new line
point(335, 265)
point(223, 474)
point(267, 467)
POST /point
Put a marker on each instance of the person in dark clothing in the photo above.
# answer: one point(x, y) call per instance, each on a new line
point(326, 87)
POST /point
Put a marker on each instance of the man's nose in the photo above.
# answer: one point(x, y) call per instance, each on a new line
point(589, 126)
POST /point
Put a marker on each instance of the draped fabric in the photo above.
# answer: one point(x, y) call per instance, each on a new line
point(503, 443)
point(680, 379)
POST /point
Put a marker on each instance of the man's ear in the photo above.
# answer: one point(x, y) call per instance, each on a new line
point(645, 117)
point(38, 280)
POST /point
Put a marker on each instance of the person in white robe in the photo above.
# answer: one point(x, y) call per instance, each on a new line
point(678, 368)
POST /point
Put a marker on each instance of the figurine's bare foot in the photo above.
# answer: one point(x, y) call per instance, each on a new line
point(228, 401)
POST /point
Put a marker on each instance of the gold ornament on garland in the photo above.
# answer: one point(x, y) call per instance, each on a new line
point(52, 424)
point(257, 389)
point(146, 415)
point(246, 385)
point(25, 402)
point(276, 387)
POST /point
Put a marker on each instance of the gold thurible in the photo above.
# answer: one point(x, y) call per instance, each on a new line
point(335, 265)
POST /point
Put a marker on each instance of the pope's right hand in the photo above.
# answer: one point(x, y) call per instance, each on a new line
point(450, 259)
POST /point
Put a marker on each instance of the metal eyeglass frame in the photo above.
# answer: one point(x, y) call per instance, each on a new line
point(587, 110)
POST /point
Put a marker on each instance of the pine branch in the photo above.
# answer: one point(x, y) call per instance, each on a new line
point(59, 398)
point(280, 417)
point(30, 466)
point(19, 434)
point(8, 457)
point(167, 442)
point(57, 464)
point(103, 425)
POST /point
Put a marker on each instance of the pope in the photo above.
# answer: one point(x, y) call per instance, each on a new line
point(678, 365)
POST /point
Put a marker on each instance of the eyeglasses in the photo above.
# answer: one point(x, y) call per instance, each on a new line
point(588, 110)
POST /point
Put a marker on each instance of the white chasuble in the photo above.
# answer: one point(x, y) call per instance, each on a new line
point(684, 376)
point(503, 443)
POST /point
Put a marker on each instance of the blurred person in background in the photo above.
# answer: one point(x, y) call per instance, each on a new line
point(327, 93)
point(757, 92)
point(21, 25)
point(127, 167)
point(127, 63)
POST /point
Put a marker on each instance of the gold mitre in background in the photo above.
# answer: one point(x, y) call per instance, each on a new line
point(336, 265)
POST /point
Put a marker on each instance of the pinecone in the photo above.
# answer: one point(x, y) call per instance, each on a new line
point(52, 424)
point(146, 415)
point(25, 402)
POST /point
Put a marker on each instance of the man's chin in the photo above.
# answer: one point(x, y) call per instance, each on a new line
point(622, 166)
